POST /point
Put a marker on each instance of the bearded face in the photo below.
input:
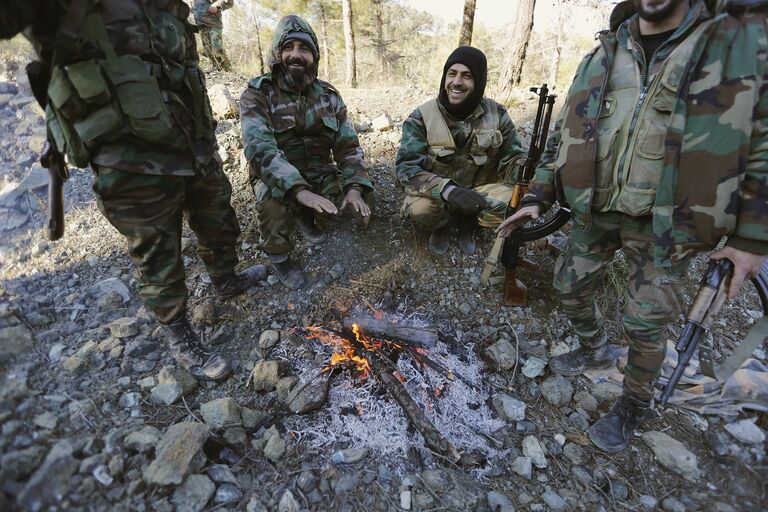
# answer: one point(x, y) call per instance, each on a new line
point(298, 63)
point(656, 10)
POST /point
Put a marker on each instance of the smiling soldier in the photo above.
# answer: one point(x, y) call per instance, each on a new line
point(305, 160)
point(455, 153)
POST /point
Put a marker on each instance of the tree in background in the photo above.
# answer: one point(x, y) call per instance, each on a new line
point(349, 43)
point(465, 34)
point(520, 34)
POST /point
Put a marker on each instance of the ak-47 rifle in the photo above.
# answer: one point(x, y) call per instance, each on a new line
point(39, 75)
point(707, 304)
point(515, 292)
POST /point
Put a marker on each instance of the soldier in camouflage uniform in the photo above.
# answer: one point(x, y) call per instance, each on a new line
point(208, 19)
point(660, 150)
point(455, 152)
point(292, 123)
point(135, 109)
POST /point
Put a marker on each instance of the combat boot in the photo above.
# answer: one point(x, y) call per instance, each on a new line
point(612, 432)
point(229, 285)
point(582, 359)
point(439, 240)
point(466, 241)
point(287, 271)
point(190, 353)
point(312, 234)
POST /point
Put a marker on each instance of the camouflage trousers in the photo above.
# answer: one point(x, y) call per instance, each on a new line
point(654, 295)
point(213, 47)
point(430, 214)
point(148, 211)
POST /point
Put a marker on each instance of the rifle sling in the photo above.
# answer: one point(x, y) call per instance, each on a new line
point(756, 335)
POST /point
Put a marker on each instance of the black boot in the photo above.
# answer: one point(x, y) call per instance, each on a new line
point(287, 271)
point(578, 361)
point(467, 227)
point(308, 228)
point(439, 240)
point(612, 432)
point(229, 285)
point(187, 350)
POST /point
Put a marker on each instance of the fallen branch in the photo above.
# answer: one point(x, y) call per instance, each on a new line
point(386, 330)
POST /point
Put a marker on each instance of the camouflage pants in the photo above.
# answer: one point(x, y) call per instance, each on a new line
point(148, 210)
point(213, 47)
point(430, 214)
point(654, 295)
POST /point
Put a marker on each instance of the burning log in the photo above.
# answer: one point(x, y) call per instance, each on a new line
point(386, 330)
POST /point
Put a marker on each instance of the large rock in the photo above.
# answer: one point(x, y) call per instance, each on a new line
point(532, 448)
point(557, 390)
point(15, 337)
point(746, 431)
point(194, 494)
point(306, 397)
point(222, 412)
point(142, 440)
point(179, 453)
point(223, 104)
point(108, 286)
point(50, 482)
point(126, 327)
point(534, 367)
point(607, 391)
point(501, 355)
point(265, 375)
point(268, 340)
point(509, 408)
point(166, 394)
point(20, 464)
point(673, 454)
point(172, 375)
point(382, 123)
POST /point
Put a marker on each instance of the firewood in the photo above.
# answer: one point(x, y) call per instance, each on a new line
point(386, 330)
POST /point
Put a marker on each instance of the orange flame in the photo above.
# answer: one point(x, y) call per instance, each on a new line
point(346, 352)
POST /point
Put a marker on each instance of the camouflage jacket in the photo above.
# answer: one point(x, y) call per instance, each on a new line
point(422, 172)
point(170, 60)
point(203, 17)
point(291, 138)
point(714, 179)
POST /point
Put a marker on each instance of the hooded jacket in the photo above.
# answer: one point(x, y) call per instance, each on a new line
point(714, 179)
point(295, 139)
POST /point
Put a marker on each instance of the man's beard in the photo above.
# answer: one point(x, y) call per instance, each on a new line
point(299, 79)
point(656, 15)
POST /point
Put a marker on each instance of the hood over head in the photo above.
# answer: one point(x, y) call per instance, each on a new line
point(293, 27)
point(475, 60)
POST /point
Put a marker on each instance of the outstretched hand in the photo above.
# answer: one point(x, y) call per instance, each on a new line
point(354, 199)
point(746, 265)
point(517, 219)
point(315, 201)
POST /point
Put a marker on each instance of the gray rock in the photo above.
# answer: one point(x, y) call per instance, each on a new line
point(585, 401)
point(346, 483)
point(336, 271)
point(179, 453)
point(20, 464)
point(171, 375)
point(130, 400)
point(166, 394)
point(221, 474)
point(75, 365)
point(265, 375)
point(203, 314)
point(223, 105)
point(250, 418)
point(746, 431)
point(648, 502)
point(307, 481)
point(284, 386)
point(579, 420)
point(533, 449)
point(50, 483)
point(222, 335)
point(109, 286)
point(523, 466)
point(142, 440)
point(673, 454)
point(509, 408)
point(235, 435)
point(497, 501)
point(306, 398)
point(15, 338)
point(534, 367)
point(288, 503)
point(194, 494)
point(139, 346)
point(553, 500)
point(557, 390)
point(607, 391)
point(672, 504)
point(125, 327)
point(501, 355)
point(227, 493)
point(268, 339)
point(618, 489)
point(275, 448)
point(382, 123)
point(147, 383)
point(574, 453)
point(46, 420)
point(222, 412)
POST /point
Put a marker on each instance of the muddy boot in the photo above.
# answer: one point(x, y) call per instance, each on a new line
point(439, 240)
point(187, 350)
point(578, 361)
point(229, 285)
point(612, 432)
point(288, 272)
point(467, 227)
point(312, 234)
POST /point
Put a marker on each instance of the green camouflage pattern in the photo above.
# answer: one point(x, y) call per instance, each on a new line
point(213, 47)
point(654, 295)
point(148, 211)
point(423, 174)
point(203, 18)
point(714, 177)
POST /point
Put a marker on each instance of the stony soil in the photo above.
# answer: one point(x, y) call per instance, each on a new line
point(83, 422)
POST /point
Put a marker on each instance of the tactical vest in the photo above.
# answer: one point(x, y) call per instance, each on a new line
point(475, 163)
point(97, 100)
point(632, 128)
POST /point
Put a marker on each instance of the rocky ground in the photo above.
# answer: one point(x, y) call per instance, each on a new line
point(95, 416)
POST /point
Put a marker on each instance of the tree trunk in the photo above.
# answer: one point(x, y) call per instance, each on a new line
point(518, 44)
point(378, 42)
point(465, 35)
point(349, 43)
point(558, 49)
point(326, 71)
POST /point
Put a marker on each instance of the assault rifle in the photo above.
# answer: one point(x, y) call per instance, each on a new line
point(515, 292)
point(708, 302)
point(39, 75)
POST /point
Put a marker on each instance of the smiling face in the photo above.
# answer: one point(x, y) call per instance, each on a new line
point(296, 57)
point(459, 83)
point(656, 10)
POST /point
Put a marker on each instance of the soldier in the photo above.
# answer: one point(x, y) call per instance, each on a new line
point(660, 150)
point(292, 123)
point(455, 152)
point(208, 19)
point(136, 109)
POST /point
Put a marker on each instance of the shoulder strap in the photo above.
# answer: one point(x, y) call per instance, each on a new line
point(68, 35)
point(439, 137)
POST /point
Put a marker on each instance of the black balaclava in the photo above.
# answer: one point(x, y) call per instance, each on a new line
point(474, 59)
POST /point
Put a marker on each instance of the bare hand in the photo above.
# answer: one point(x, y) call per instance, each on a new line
point(213, 9)
point(746, 265)
point(517, 219)
point(355, 199)
point(316, 202)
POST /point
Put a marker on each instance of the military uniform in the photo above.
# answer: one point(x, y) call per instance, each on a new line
point(293, 140)
point(480, 152)
point(211, 31)
point(659, 159)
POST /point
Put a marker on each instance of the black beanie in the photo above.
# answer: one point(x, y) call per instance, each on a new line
point(474, 59)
